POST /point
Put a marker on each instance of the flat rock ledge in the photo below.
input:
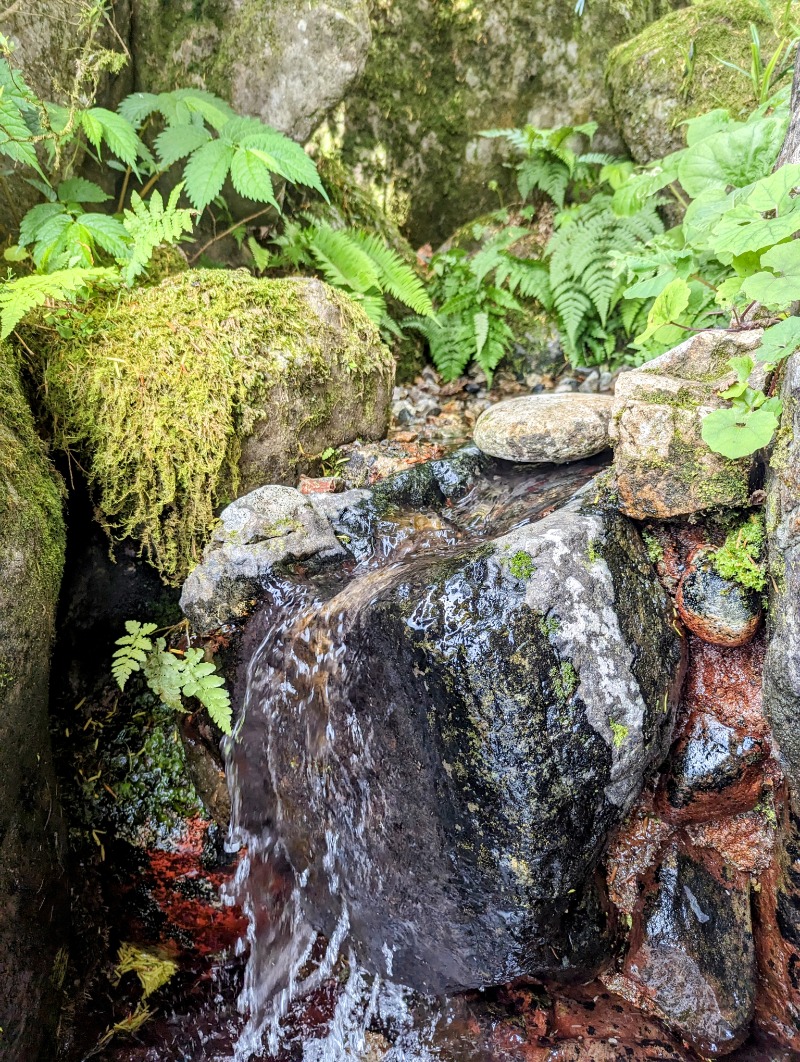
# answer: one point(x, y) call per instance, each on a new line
point(548, 427)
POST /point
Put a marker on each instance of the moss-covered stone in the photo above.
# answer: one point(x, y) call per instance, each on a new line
point(283, 61)
point(179, 397)
point(31, 560)
point(439, 73)
point(672, 71)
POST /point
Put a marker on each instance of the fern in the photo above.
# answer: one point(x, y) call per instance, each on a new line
point(171, 676)
point(133, 652)
point(20, 295)
point(151, 224)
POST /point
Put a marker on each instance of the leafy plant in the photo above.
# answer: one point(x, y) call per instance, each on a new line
point(741, 556)
point(549, 163)
point(171, 674)
point(358, 262)
point(475, 295)
point(766, 71)
point(748, 423)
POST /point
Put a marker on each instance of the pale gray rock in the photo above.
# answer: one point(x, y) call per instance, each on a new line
point(545, 427)
point(267, 527)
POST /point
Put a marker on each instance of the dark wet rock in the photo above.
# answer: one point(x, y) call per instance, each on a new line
point(555, 427)
point(717, 610)
point(269, 526)
point(33, 895)
point(694, 964)
point(710, 759)
point(486, 718)
point(432, 483)
point(782, 665)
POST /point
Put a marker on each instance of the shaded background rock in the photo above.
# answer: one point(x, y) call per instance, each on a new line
point(33, 897)
point(717, 610)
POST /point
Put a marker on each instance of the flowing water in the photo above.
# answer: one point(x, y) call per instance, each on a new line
point(335, 997)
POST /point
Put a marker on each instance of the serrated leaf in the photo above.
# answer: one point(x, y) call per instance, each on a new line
point(177, 141)
point(250, 176)
point(116, 131)
point(205, 172)
point(79, 190)
point(108, 233)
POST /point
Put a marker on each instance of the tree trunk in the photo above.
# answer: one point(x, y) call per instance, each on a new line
point(790, 152)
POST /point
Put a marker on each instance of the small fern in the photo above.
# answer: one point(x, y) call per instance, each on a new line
point(20, 295)
point(170, 675)
point(150, 225)
point(135, 646)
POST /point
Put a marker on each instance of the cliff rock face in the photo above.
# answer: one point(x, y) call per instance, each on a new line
point(32, 895)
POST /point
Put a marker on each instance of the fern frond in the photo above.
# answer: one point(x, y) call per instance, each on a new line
point(133, 652)
point(201, 680)
point(22, 294)
point(395, 275)
point(150, 225)
point(342, 262)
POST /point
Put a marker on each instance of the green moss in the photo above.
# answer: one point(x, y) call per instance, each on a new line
point(155, 402)
point(521, 565)
point(741, 556)
point(593, 551)
point(655, 551)
point(619, 732)
point(654, 88)
point(31, 495)
point(565, 680)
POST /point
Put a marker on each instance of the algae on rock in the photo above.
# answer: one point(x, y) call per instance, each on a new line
point(653, 85)
point(31, 841)
point(177, 398)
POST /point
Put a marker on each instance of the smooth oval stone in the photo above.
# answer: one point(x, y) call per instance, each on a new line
point(554, 427)
point(717, 610)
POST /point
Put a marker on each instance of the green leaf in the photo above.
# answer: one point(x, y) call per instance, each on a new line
point(134, 649)
point(22, 294)
point(735, 158)
point(79, 190)
point(736, 433)
point(108, 233)
point(205, 172)
point(666, 309)
point(781, 287)
point(177, 141)
point(779, 341)
point(250, 176)
point(116, 131)
point(138, 106)
point(31, 226)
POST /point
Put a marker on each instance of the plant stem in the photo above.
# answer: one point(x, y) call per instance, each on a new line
point(228, 231)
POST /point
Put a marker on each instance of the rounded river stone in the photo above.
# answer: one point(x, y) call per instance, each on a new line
point(535, 428)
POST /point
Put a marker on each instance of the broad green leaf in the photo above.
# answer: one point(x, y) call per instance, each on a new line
point(779, 341)
point(666, 309)
point(108, 233)
point(250, 176)
point(780, 288)
point(116, 131)
point(742, 230)
point(736, 433)
point(708, 124)
point(177, 141)
point(732, 158)
point(30, 227)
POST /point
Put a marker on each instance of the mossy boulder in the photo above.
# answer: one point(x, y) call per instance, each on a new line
point(485, 719)
point(654, 85)
point(32, 894)
point(285, 62)
point(180, 397)
point(662, 465)
point(439, 73)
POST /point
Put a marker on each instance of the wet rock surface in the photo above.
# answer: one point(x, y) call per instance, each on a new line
point(266, 527)
point(717, 610)
point(495, 711)
point(695, 963)
point(556, 428)
point(663, 467)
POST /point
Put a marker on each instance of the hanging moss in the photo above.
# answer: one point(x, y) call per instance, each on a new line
point(156, 398)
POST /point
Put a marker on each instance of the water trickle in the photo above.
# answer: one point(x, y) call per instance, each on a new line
point(338, 998)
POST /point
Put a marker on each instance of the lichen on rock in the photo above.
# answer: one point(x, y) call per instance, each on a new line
point(179, 397)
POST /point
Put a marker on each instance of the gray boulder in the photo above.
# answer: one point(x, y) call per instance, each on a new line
point(537, 428)
point(269, 526)
point(33, 899)
point(782, 663)
point(474, 727)
point(287, 63)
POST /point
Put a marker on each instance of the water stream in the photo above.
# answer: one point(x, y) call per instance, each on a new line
point(326, 989)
